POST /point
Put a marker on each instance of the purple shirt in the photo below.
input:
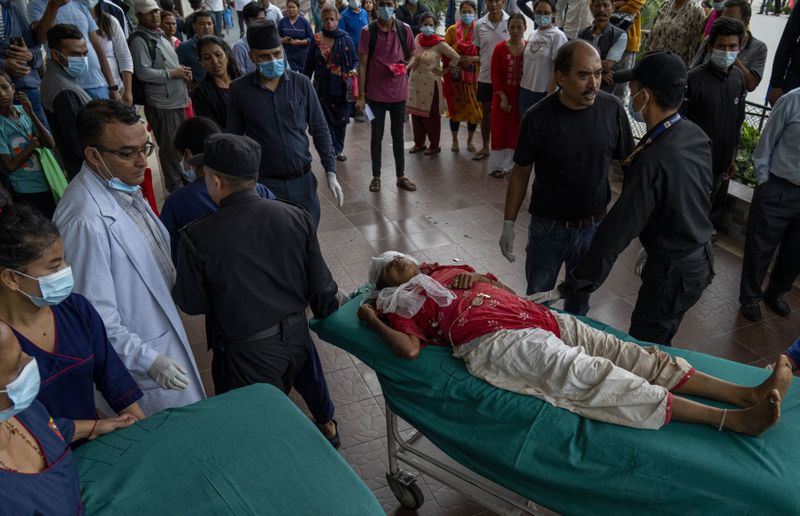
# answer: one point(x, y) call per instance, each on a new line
point(382, 84)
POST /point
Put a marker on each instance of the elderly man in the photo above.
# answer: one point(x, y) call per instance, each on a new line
point(165, 86)
point(120, 256)
point(775, 213)
point(255, 309)
point(274, 106)
point(251, 13)
point(202, 25)
point(571, 138)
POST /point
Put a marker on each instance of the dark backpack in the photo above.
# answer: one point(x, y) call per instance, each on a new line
point(137, 86)
point(401, 33)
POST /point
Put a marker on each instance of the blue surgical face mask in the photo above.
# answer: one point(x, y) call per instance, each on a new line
point(189, 174)
point(90, 3)
point(354, 4)
point(55, 287)
point(467, 19)
point(272, 69)
point(543, 20)
point(76, 65)
point(412, 2)
point(427, 30)
point(385, 13)
point(22, 391)
point(717, 6)
point(636, 115)
point(723, 58)
point(115, 183)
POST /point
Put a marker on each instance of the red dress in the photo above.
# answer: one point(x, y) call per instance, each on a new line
point(465, 318)
point(506, 77)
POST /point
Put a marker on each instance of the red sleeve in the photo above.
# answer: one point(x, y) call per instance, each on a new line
point(491, 276)
point(497, 65)
point(407, 326)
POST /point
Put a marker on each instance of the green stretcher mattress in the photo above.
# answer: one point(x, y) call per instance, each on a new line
point(246, 452)
point(578, 466)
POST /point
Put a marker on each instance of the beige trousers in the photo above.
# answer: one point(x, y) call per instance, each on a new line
point(587, 371)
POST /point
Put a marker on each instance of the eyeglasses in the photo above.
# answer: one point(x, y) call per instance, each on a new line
point(128, 155)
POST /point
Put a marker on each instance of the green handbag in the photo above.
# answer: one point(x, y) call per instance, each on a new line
point(52, 172)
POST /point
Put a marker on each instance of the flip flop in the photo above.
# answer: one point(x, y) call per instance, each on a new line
point(480, 155)
point(415, 149)
point(471, 148)
point(432, 151)
point(375, 184)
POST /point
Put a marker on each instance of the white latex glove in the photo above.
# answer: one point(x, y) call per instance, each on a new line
point(545, 297)
point(168, 373)
point(335, 188)
point(641, 259)
point(507, 241)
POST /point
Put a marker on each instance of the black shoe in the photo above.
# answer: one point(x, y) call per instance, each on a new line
point(779, 305)
point(341, 157)
point(751, 312)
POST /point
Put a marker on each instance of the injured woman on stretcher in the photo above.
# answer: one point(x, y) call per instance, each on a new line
point(518, 345)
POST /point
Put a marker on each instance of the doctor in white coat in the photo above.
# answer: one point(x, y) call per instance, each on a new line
point(120, 256)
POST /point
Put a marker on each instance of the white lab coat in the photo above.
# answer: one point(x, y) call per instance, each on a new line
point(116, 271)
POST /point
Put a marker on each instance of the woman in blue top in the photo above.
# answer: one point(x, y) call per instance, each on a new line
point(37, 468)
point(21, 133)
point(295, 34)
point(61, 330)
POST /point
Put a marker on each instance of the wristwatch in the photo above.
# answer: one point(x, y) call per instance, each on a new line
point(113, 88)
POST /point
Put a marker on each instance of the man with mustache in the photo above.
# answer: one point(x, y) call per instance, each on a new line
point(571, 137)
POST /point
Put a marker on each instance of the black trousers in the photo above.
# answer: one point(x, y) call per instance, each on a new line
point(669, 288)
point(719, 198)
point(397, 113)
point(774, 221)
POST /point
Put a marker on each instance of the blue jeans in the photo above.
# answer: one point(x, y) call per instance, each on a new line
point(527, 98)
point(99, 93)
point(550, 244)
point(35, 96)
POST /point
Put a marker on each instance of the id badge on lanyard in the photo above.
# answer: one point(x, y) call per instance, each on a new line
point(654, 134)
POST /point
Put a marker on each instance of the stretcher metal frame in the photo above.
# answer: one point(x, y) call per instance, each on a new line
point(420, 453)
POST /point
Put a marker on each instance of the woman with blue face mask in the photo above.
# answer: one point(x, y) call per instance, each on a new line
point(37, 468)
point(60, 329)
point(115, 46)
point(538, 79)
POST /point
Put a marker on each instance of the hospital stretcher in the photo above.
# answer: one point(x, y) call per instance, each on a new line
point(247, 452)
point(511, 452)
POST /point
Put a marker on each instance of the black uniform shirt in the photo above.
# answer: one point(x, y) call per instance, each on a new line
point(571, 151)
point(665, 201)
point(715, 101)
point(250, 265)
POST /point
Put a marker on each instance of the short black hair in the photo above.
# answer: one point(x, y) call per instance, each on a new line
point(61, 31)
point(563, 62)
point(235, 183)
point(195, 4)
point(726, 26)
point(25, 234)
point(202, 14)
point(192, 133)
point(428, 16)
point(295, 2)
point(469, 3)
point(743, 6)
point(669, 97)
point(94, 116)
point(252, 10)
point(7, 77)
point(166, 5)
point(518, 16)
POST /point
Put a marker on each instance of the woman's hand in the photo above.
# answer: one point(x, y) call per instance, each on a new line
point(465, 280)
point(504, 104)
point(107, 425)
point(25, 102)
point(127, 97)
point(367, 313)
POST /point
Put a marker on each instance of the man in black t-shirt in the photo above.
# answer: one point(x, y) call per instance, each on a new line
point(571, 137)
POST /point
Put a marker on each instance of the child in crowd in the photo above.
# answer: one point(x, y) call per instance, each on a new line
point(21, 133)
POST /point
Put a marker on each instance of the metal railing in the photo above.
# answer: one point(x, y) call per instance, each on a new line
point(755, 115)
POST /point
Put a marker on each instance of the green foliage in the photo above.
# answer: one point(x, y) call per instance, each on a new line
point(744, 157)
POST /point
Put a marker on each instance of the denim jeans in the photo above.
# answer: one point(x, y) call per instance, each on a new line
point(99, 93)
point(551, 244)
point(397, 113)
point(528, 98)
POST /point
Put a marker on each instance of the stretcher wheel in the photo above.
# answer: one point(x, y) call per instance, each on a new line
point(405, 489)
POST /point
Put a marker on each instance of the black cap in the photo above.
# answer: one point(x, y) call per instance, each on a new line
point(230, 154)
point(657, 70)
point(263, 35)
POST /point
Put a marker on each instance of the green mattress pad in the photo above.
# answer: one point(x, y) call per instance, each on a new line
point(246, 452)
point(574, 465)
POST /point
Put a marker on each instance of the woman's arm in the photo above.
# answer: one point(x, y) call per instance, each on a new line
point(403, 345)
point(134, 410)
point(92, 428)
point(42, 132)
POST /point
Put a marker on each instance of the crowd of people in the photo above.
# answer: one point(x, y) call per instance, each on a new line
point(94, 276)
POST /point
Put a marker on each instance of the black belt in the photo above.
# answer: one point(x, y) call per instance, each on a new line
point(273, 330)
point(297, 173)
point(584, 222)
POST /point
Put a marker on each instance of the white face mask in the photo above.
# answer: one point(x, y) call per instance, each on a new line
point(636, 115)
point(22, 391)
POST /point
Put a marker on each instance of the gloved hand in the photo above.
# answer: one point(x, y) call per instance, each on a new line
point(335, 188)
point(545, 297)
point(507, 241)
point(168, 373)
point(641, 259)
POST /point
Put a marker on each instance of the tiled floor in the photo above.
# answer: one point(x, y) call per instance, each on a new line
point(456, 216)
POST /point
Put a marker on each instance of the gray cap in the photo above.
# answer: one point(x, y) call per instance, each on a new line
point(230, 154)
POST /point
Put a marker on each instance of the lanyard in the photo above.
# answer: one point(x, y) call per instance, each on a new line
point(654, 134)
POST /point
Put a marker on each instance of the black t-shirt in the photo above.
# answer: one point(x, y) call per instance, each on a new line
point(571, 151)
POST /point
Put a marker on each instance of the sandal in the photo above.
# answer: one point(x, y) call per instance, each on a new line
point(416, 148)
point(471, 148)
point(480, 155)
point(455, 148)
point(335, 439)
point(405, 183)
point(499, 174)
point(432, 151)
point(375, 184)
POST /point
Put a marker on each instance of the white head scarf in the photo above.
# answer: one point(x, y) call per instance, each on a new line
point(407, 299)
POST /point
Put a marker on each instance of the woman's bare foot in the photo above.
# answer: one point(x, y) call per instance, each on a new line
point(780, 379)
point(755, 420)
